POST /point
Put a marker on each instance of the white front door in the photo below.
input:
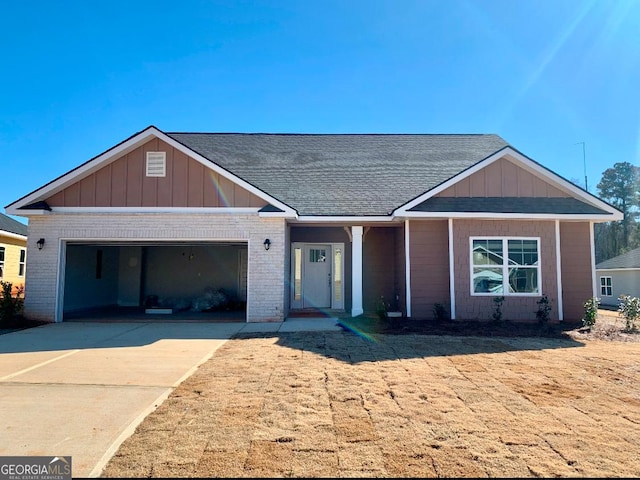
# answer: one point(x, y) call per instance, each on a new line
point(317, 276)
point(317, 273)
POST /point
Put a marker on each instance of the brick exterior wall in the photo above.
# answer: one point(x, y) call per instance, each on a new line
point(265, 291)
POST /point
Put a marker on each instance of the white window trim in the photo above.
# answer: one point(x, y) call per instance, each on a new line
point(4, 261)
point(505, 268)
point(22, 264)
point(156, 165)
point(605, 286)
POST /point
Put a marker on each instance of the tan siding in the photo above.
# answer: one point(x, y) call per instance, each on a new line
point(525, 183)
point(12, 247)
point(514, 307)
point(509, 179)
point(123, 183)
point(119, 183)
point(502, 178)
point(103, 187)
point(577, 286)
point(379, 279)
point(429, 251)
point(210, 194)
point(134, 177)
point(195, 194)
point(400, 285)
point(180, 169)
point(88, 191)
point(226, 192)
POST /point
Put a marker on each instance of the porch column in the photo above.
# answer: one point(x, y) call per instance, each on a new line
point(356, 269)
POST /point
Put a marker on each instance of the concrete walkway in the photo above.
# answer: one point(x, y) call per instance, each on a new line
point(81, 389)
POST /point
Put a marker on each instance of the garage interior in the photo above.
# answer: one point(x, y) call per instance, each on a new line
point(163, 281)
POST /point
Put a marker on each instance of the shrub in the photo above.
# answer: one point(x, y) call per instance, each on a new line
point(440, 312)
point(629, 308)
point(544, 309)
point(590, 312)
point(382, 308)
point(10, 303)
point(497, 315)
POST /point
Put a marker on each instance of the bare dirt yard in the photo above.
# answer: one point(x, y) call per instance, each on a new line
point(557, 403)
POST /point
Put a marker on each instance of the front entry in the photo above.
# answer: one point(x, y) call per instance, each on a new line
point(317, 272)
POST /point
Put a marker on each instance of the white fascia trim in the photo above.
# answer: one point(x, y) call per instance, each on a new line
point(354, 219)
point(126, 147)
point(190, 210)
point(631, 269)
point(527, 164)
point(17, 236)
point(277, 214)
point(512, 216)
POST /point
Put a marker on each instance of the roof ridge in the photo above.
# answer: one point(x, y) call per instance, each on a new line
point(341, 134)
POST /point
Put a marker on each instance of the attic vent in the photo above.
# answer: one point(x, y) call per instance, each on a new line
point(156, 164)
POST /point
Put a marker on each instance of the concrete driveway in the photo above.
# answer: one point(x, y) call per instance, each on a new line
point(80, 389)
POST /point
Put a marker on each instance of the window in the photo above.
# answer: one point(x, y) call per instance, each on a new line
point(1, 262)
point(606, 289)
point(505, 266)
point(317, 255)
point(156, 164)
point(21, 265)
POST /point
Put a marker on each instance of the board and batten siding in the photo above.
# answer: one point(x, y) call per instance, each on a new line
point(123, 183)
point(502, 178)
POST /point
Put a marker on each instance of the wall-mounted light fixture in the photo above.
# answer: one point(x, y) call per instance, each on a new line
point(40, 244)
point(267, 244)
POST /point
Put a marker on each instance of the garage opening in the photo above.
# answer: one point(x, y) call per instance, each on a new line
point(169, 281)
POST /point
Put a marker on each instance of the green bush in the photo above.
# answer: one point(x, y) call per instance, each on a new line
point(544, 310)
point(497, 315)
point(440, 312)
point(10, 303)
point(590, 312)
point(629, 308)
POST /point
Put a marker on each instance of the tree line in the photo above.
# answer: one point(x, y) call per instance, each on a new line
point(620, 187)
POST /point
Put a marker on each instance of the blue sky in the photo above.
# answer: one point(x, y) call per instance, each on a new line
point(80, 76)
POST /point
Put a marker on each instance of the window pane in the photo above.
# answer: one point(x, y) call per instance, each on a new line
point(603, 281)
point(487, 280)
point(487, 252)
point(523, 252)
point(523, 280)
point(22, 255)
point(337, 277)
point(317, 255)
point(1, 254)
point(608, 281)
point(297, 274)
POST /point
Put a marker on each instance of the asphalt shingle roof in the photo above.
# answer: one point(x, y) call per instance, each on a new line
point(631, 259)
point(10, 225)
point(508, 205)
point(343, 174)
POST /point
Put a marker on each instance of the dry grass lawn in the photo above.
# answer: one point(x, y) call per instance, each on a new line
point(336, 404)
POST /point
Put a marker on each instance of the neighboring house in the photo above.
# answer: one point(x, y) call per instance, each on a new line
point(13, 251)
point(619, 276)
point(288, 222)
